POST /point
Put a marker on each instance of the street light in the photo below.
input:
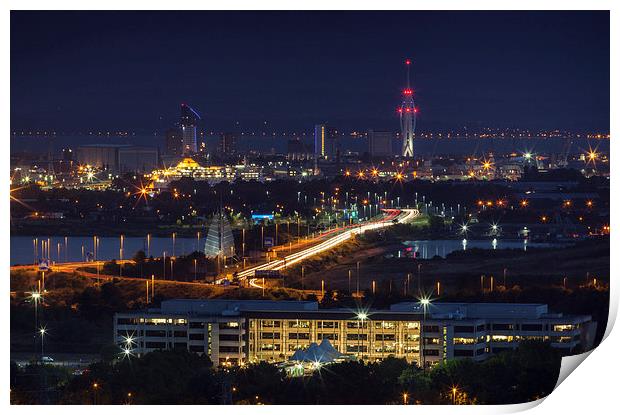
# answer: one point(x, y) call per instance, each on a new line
point(42, 332)
point(425, 302)
point(36, 297)
point(95, 389)
point(357, 288)
point(464, 229)
point(405, 397)
point(128, 340)
point(174, 239)
point(361, 316)
point(349, 282)
point(164, 262)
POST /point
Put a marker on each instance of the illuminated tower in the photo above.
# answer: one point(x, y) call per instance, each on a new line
point(188, 124)
point(320, 132)
point(407, 111)
point(325, 142)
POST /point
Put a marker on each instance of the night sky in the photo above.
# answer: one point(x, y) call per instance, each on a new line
point(131, 70)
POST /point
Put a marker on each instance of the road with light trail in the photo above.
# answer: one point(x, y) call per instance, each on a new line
point(342, 235)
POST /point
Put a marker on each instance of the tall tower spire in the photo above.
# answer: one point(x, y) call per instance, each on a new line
point(407, 111)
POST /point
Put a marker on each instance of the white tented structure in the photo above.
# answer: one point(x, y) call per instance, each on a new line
point(220, 242)
point(305, 362)
point(315, 353)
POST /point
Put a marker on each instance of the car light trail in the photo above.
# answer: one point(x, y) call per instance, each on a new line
point(254, 284)
point(346, 233)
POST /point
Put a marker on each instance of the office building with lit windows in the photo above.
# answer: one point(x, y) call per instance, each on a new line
point(241, 331)
point(188, 125)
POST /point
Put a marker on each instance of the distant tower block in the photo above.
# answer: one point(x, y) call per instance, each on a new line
point(188, 124)
point(407, 112)
point(220, 243)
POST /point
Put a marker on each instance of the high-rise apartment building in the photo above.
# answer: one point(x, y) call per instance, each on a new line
point(227, 145)
point(380, 143)
point(188, 126)
point(174, 142)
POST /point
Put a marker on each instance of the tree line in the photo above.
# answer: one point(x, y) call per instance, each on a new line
point(181, 377)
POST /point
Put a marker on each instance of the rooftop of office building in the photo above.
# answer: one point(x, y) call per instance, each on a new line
point(222, 307)
point(475, 310)
point(310, 309)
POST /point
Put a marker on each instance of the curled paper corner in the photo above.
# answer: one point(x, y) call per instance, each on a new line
point(509, 408)
point(569, 364)
point(522, 407)
point(611, 316)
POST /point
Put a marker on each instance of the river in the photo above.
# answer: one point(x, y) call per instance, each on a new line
point(441, 247)
point(76, 248)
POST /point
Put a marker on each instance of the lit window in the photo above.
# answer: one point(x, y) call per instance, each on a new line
point(463, 340)
point(563, 327)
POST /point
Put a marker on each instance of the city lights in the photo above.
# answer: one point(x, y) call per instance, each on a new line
point(298, 231)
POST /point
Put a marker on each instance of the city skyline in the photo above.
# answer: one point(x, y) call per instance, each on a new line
point(242, 80)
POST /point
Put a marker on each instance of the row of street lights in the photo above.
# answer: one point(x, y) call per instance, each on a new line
point(453, 392)
point(40, 330)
